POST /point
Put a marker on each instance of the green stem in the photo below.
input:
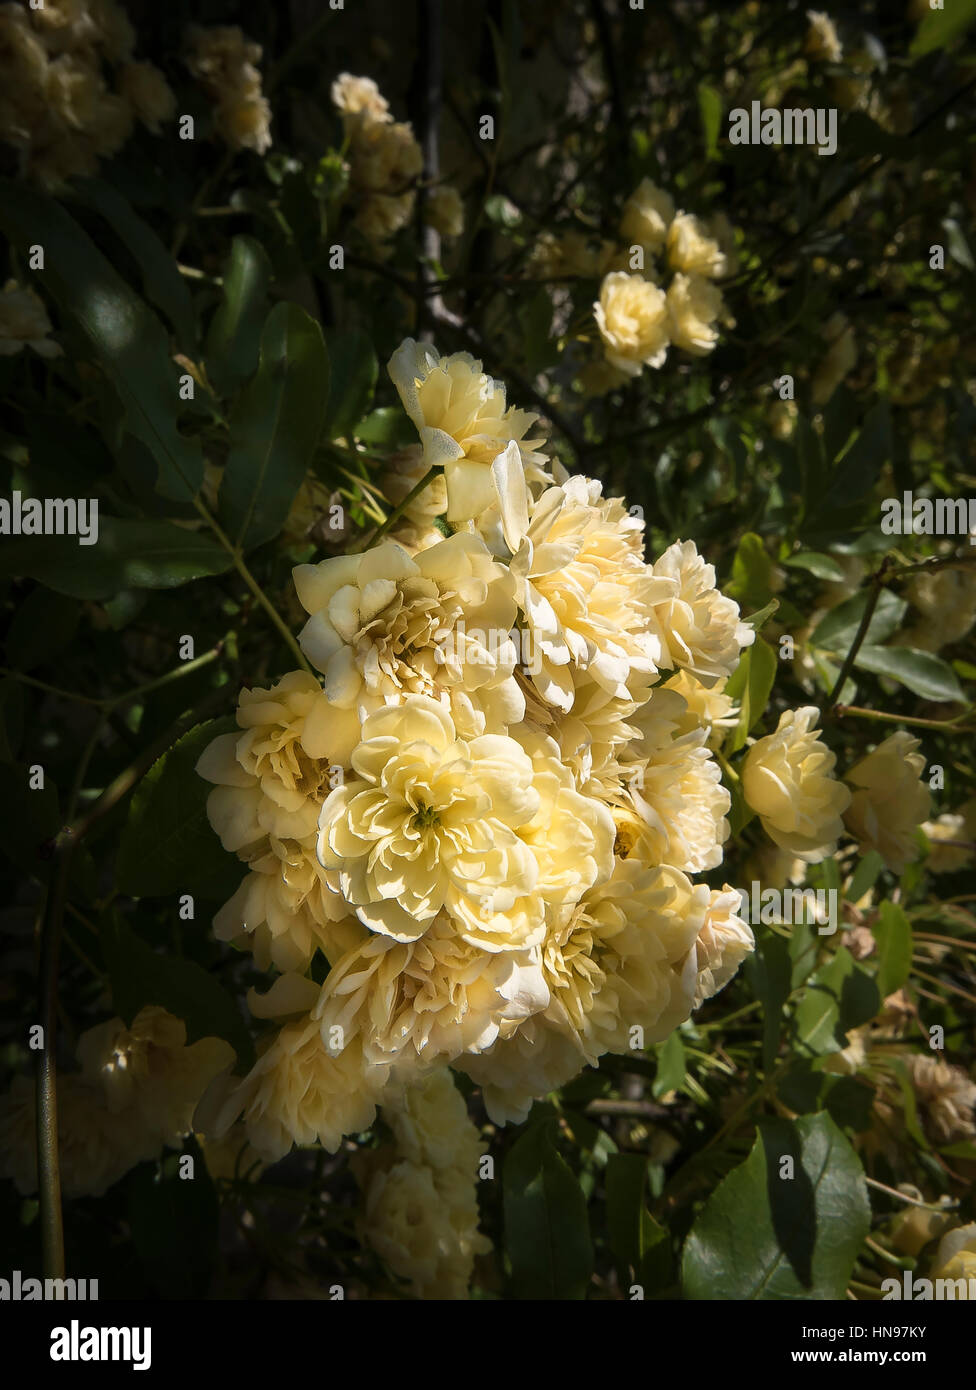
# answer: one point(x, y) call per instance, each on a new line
point(877, 584)
point(857, 712)
point(398, 511)
point(242, 569)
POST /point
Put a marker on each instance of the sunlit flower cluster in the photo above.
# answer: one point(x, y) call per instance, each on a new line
point(488, 806)
point(385, 159)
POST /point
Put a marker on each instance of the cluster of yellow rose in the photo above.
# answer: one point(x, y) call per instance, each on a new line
point(69, 88)
point(638, 319)
point(225, 62)
point(385, 162)
point(421, 1206)
point(136, 1092)
point(488, 811)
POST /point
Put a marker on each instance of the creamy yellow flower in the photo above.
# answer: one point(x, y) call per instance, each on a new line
point(430, 821)
point(427, 1001)
point(272, 778)
point(149, 94)
point(722, 945)
point(707, 707)
point(822, 43)
point(300, 1092)
point(385, 158)
point(384, 625)
point(700, 626)
point(461, 416)
point(692, 250)
point(149, 1072)
point(947, 858)
point(646, 216)
point(632, 316)
point(889, 800)
point(407, 467)
point(410, 1227)
point(914, 1227)
point(672, 806)
point(380, 216)
point(788, 780)
point(584, 590)
point(597, 378)
point(360, 97)
point(97, 1146)
point(694, 306)
point(24, 322)
point(224, 62)
point(231, 1157)
point(623, 959)
point(946, 599)
point(430, 1124)
point(285, 910)
point(445, 210)
point(955, 1258)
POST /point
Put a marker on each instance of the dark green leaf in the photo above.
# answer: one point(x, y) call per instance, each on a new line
point(546, 1223)
point(836, 632)
point(386, 428)
point(823, 566)
point(750, 684)
point(769, 969)
point(865, 876)
point(31, 817)
point(641, 1247)
point(129, 555)
point(124, 336)
point(354, 369)
point(167, 845)
point(940, 27)
point(764, 1236)
point(710, 110)
point(163, 284)
point(275, 427)
point(231, 351)
point(671, 1066)
point(839, 997)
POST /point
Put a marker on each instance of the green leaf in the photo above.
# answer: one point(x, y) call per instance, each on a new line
point(804, 949)
point(163, 284)
point(386, 428)
point(839, 997)
point(173, 1224)
point(750, 684)
point(710, 110)
point(231, 351)
point(893, 933)
point(836, 632)
point(671, 1066)
point(129, 555)
point(752, 573)
point(547, 1232)
point(758, 619)
point(640, 1246)
point(275, 427)
point(940, 27)
point(769, 969)
point(763, 1236)
point(167, 845)
point(124, 336)
point(822, 566)
point(925, 675)
point(43, 627)
point(865, 876)
point(139, 976)
point(354, 369)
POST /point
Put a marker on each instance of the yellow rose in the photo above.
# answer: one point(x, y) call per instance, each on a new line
point(646, 216)
point(788, 781)
point(149, 94)
point(700, 627)
point(632, 316)
point(889, 801)
point(692, 250)
point(955, 1259)
point(694, 307)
